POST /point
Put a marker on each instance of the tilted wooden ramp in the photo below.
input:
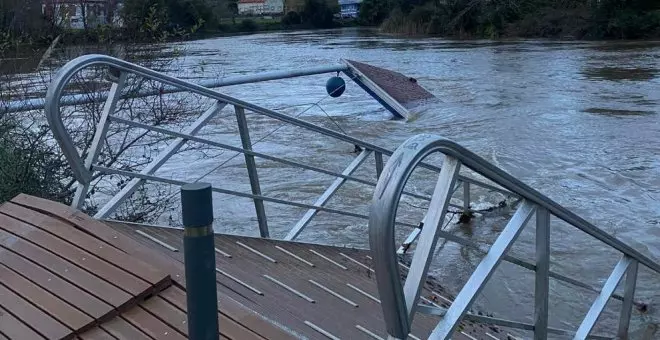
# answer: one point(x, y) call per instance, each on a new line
point(66, 275)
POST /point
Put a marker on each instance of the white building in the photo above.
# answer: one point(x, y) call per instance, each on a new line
point(251, 7)
point(274, 7)
point(350, 8)
point(260, 7)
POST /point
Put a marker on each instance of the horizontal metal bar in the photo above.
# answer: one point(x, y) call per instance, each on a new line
point(497, 175)
point(256, 154)
point(54, 97)
point(236, 193)
point(38, 103)
point(157, 162)
point(522, 263)
point(522, 325)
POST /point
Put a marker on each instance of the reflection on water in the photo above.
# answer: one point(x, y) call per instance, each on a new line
point(616, 73)
point(547, 112)
point(613, 112)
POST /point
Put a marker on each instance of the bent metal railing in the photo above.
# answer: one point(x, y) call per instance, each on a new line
point(400, 302)
point(84, 170)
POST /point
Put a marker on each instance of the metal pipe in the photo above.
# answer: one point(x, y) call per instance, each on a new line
point(542, 274)
point(77, 99)
point(199, 261)
point(251, 165)
point(202, 140)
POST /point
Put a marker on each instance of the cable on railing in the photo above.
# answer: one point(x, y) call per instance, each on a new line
point(270, 133)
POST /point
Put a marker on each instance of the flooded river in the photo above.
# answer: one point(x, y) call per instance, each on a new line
point(576, 120)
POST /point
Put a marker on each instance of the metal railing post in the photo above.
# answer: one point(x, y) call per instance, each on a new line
point(199, 260)
point(101, 131)
point(628, 299)
point(252, 171)
point(379, 163)
point(466, 196)
point(542, 279)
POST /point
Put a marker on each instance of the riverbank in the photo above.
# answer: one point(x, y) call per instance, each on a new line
point(570, 19)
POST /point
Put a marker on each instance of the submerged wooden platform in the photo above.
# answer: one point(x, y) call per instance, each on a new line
point(65, 275)
point(401, 88)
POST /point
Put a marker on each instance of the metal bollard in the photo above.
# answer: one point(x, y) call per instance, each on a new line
point(199, 259)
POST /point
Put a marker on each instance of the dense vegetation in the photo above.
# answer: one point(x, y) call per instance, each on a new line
point(22, 21)
point(588, 19)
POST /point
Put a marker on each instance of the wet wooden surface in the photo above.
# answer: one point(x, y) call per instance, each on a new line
point(57, 280)
point(403, 89)
point(67, 275)
point(338, 270)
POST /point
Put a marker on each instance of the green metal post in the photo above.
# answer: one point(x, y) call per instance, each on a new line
point(199, 259)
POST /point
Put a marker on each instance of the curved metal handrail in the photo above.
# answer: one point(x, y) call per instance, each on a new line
point(385, 203)
point(83, 175)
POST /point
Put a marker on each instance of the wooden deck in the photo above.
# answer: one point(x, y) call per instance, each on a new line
point(66, 275)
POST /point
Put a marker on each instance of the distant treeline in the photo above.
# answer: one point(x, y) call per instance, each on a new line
point(22, 22)
point(576, 19)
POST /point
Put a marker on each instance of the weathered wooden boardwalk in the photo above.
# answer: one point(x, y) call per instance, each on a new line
point(66, 275)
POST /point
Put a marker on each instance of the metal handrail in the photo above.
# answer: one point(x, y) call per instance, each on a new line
point(77, 99)
point(64, 75)
point(399, 306)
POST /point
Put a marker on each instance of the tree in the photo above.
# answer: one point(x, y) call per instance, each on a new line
point(173, 16)
point(374, 12)
point(317, 13)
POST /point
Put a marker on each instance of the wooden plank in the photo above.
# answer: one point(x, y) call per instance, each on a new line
point(87, 224)
point(150, 325)
point(235, 330)
point(229, 307)
point(99, 230)
point(31, 315)
point(52, 305)
point(167, 312)
point(233, 309)
point(228, 327)
point(96, 333)
point(85, 241)
point(13, 328)
point(89, 262)
point(82, 300)
point(99, 288)
point(123, 330)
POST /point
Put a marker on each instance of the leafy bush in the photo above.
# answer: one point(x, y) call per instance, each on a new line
point(28, 164)
point(291, 19)
point(249, 25)
point(318, 14)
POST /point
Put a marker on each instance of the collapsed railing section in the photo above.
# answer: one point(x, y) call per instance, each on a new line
point(84, 170)
point(400, 301)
